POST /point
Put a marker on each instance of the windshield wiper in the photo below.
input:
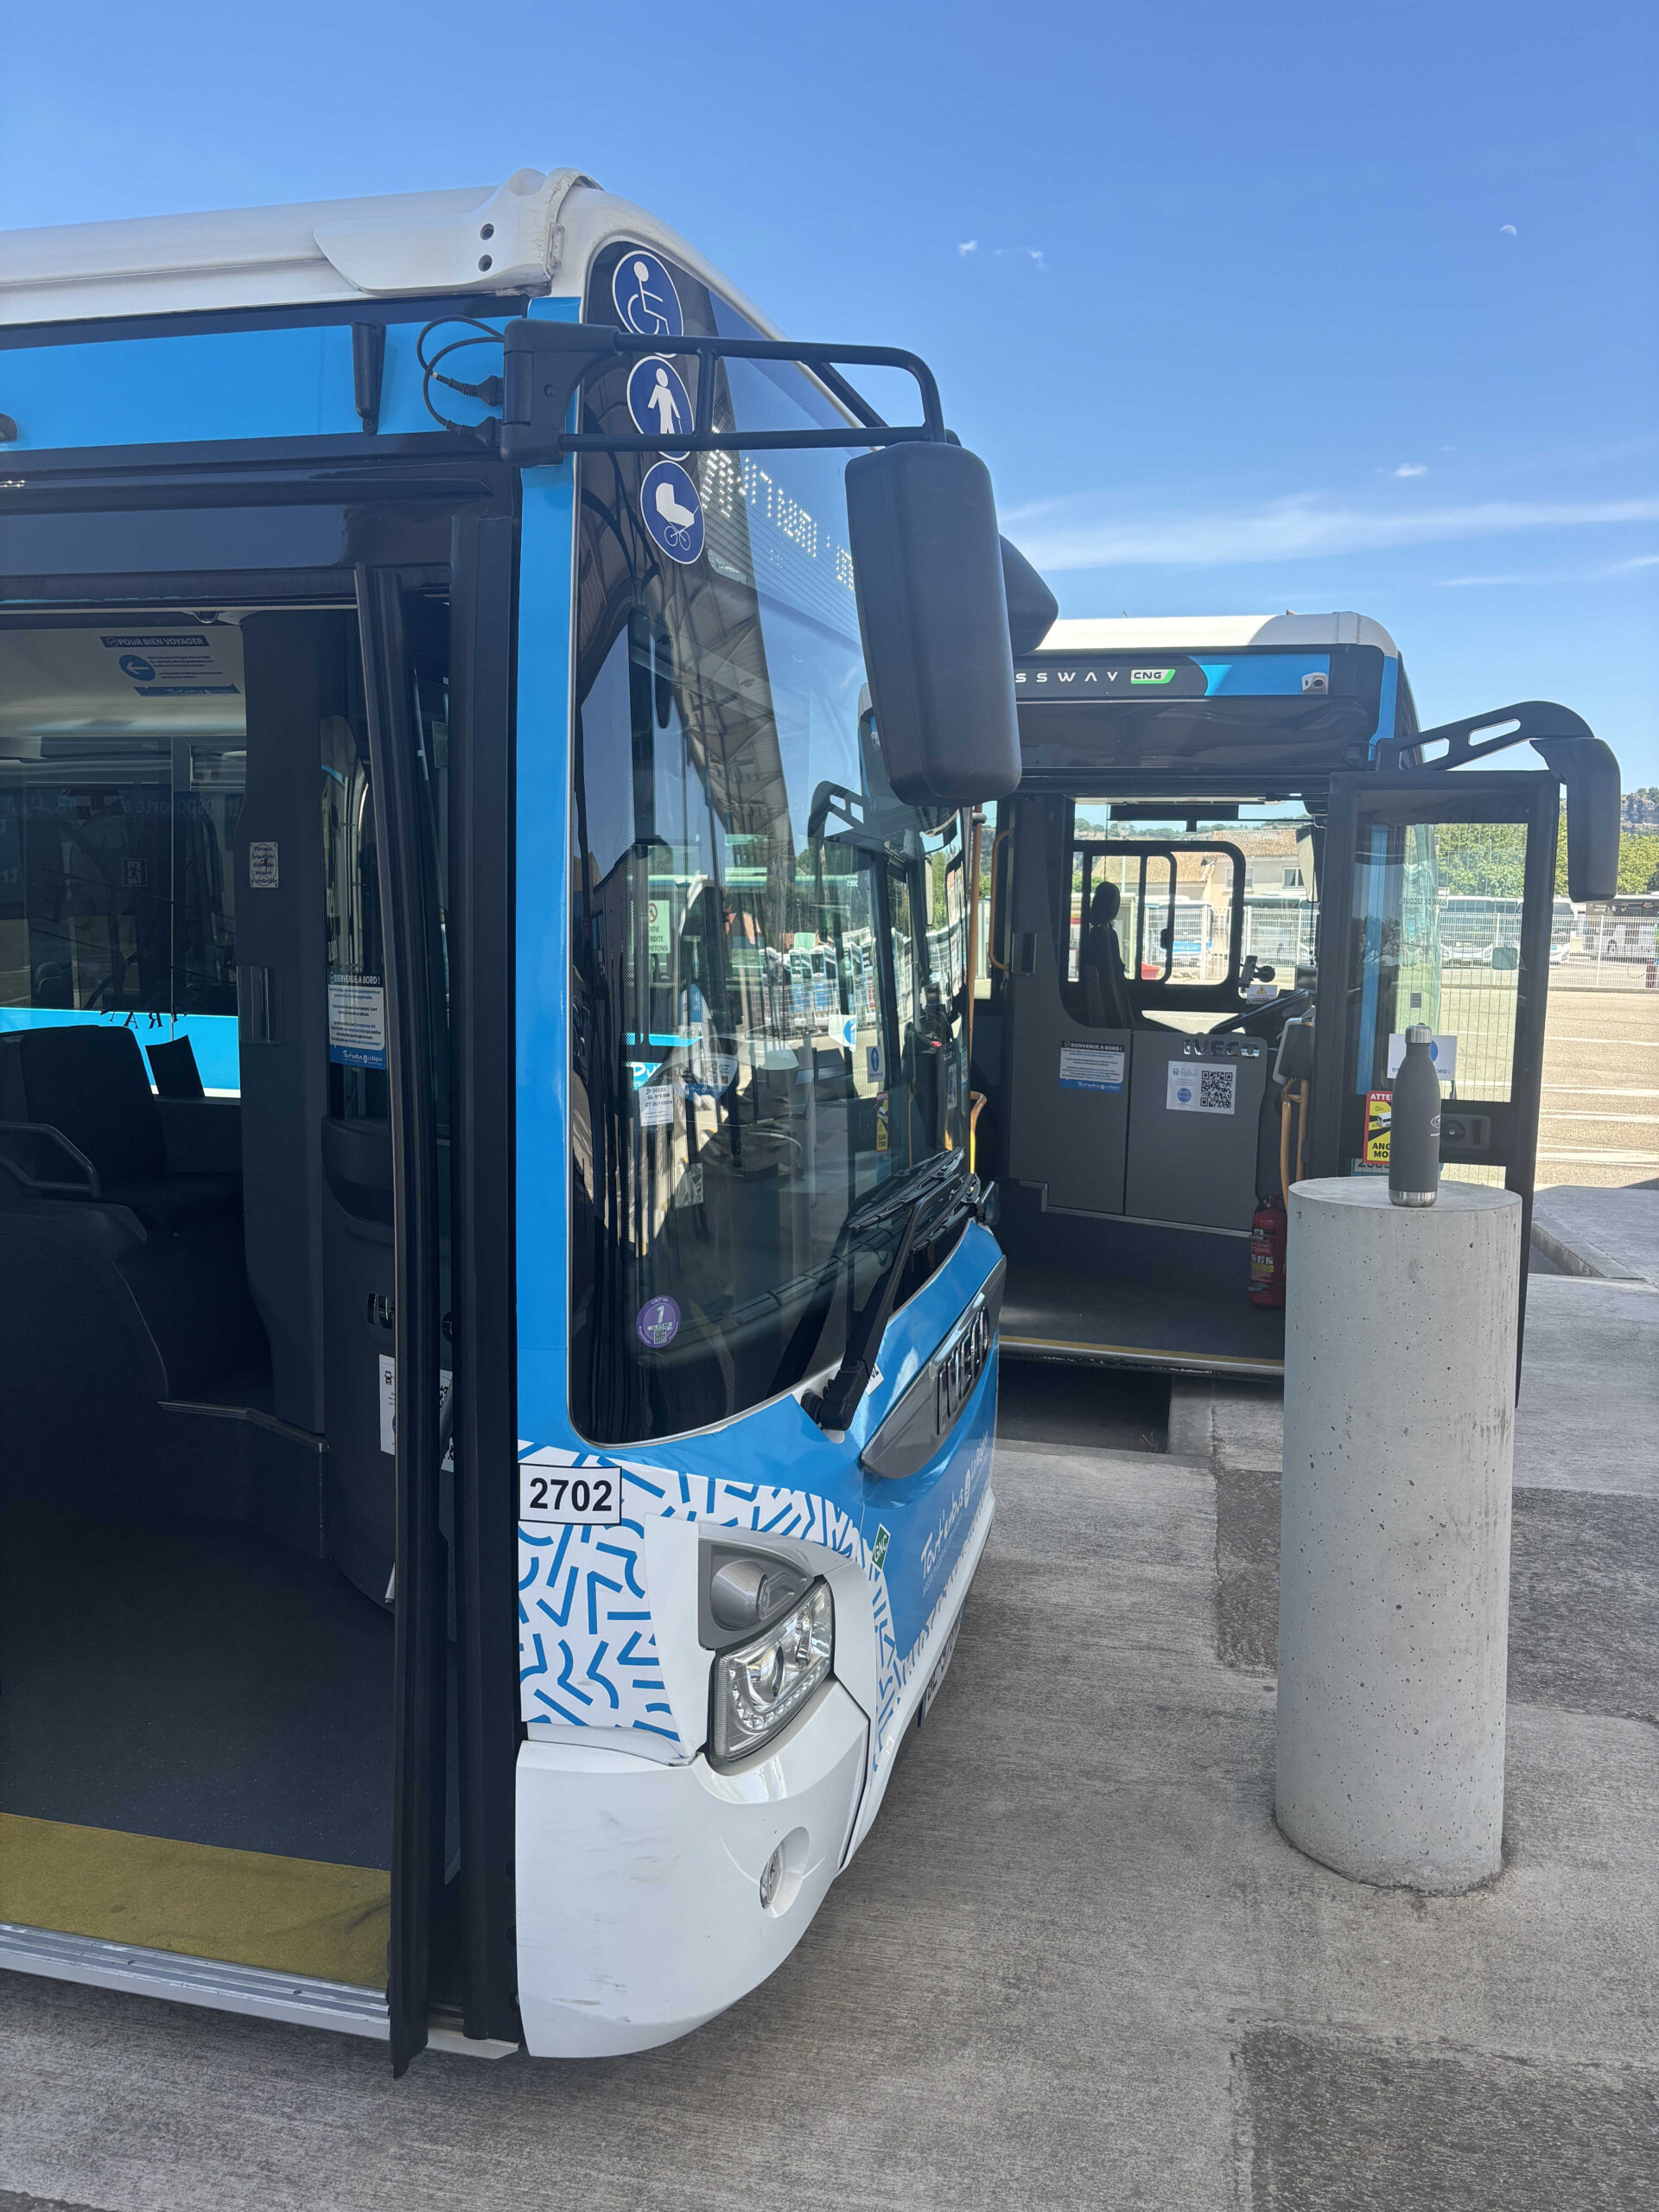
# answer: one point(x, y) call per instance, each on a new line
point(926, 1181)
point(840, 1399)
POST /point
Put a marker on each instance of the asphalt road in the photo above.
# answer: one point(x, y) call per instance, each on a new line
point(1599, 1122)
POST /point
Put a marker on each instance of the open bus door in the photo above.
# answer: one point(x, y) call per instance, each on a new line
point(231, 1374)
point(1396, 846)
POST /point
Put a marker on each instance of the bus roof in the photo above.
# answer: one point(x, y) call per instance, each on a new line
point(1197, 633)
point(535, 235)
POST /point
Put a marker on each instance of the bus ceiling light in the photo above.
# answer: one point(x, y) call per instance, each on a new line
point(763, 1684)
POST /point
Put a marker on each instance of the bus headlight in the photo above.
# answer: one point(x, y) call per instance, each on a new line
point(763, 1683)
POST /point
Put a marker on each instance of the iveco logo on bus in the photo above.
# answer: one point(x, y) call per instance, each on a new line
point(959, 1365)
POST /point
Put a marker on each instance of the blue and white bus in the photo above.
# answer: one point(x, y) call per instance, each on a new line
point(497, 1325)
point(1236, 871)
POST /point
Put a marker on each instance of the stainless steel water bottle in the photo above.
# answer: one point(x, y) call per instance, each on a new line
point(1415, 1124)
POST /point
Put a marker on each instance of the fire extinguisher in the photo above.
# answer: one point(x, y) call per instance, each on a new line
point(1268, 1228)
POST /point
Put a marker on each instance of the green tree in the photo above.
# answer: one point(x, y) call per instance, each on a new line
point(1638, 860)
point(1481, 860)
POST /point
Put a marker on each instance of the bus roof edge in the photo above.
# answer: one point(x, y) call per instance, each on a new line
point(543, 229)
point(1198, 633)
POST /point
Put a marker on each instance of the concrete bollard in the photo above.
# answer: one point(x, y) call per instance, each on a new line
point(1393, 1569)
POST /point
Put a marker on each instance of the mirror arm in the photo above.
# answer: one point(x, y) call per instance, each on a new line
point(1478, 735)
point(1568, 744)
point(546, 363)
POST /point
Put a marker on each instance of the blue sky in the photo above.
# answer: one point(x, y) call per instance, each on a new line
point(1246, 309)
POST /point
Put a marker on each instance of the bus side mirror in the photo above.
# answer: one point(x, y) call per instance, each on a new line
point(1590, 771)
point(933, 616)
point(1032, 608)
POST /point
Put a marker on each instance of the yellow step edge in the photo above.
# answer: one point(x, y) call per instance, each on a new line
point(247, 1908)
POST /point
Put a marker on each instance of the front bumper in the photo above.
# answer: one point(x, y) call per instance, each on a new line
point(639, 1884)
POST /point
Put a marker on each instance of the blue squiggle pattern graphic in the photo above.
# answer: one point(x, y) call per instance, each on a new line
point(587, 1652)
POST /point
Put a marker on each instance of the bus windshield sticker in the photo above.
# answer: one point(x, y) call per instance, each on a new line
point(262, 864)
point(673, 512)
point(658, 1323)
point(1091, 1067)
point(656, 1106)
point(644, 295)
point(1443, 1051)
point(658, 401)
point(166, 664)
point(1201, 1089)
point(1379, 1120)
point(357, 1020)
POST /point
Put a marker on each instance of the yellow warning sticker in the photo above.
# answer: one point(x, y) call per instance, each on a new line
point(1379, 1116)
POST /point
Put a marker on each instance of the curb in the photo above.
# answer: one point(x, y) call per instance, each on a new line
point(1581, 1259)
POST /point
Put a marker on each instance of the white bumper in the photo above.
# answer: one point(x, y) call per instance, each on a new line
point(639, 1884)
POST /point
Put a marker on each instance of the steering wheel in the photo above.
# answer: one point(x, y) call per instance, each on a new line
point(1270, 1010)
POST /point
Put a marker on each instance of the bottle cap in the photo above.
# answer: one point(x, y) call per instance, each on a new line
point(1419, 1033)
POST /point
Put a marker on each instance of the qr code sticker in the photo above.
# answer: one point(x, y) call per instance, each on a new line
point(1201, 1089)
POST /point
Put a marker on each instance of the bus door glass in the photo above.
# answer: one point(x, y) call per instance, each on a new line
point(1439, 911)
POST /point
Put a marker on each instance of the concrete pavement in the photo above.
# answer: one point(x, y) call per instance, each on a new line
point(1075, 1965)
point(1600, 1117)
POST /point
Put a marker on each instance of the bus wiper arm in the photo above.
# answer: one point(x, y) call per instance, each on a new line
point(945, 1179)
point(925, 1182)
point(846, 1387)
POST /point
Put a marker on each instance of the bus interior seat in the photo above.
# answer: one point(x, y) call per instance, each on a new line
point(166, 1247)
point(89, 1085)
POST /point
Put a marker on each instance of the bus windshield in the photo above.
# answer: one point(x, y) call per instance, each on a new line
point(769, 963)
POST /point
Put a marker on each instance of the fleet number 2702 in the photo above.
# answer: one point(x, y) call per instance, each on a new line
point(580, 1495)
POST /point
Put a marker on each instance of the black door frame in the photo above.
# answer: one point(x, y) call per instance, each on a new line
point(483, 1288)
point(420, 1646)
point(1530, 796)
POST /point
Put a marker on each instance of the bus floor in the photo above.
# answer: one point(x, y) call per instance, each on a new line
point(1131, 1292)
point(195, 1742)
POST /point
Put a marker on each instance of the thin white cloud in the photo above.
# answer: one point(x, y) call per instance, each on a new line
point(1088, 533)
point(1602, 574)
point(968, 246)
point(1412, 468)
point(1033, 253)
point(1463, 583)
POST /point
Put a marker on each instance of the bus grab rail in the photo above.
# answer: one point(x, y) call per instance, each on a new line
point(544, 364)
